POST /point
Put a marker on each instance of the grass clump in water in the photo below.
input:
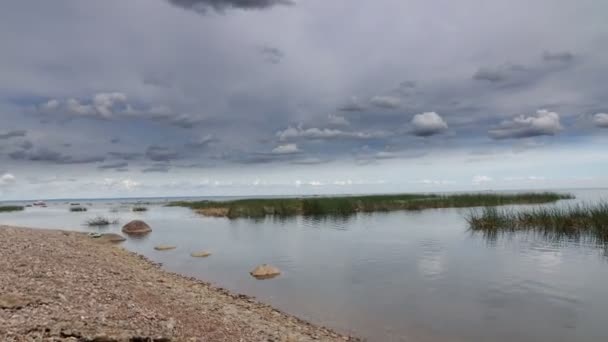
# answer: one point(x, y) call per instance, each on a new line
point(348, 205)
point(8, 208)
point(139, 209)
point(569, 221)
point(78, 209)
point(101, 221)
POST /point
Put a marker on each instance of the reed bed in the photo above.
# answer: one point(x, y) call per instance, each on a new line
point(348, 205)
point(8, 208)
point(100, 221)
point(564, 221)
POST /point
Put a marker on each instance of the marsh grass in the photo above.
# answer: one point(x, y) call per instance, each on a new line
point(100, 221)
point(572, 221)
point(348, 205)
point(8, 208)
point(78, 209)
point(139, 208)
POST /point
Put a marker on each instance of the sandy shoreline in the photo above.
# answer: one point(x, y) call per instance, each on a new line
point(61, 285)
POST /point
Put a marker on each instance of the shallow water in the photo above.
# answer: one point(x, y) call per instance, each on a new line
point(400, 276)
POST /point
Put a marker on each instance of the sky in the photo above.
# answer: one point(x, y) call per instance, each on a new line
point(266, 97)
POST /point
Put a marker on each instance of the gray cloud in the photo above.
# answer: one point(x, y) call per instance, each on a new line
point(13, 134)
point(202, 6)
point(499, 73)
point(157, 168)
point(47, 155)
point(203, 142)
point(26, 145)
point(125, 155)
point(352, 105)
point(161, 153)
point(601, 120)
point(386, 102)
point(543, 123)
point(118, 165)
point(271, 54)
point(564, 57)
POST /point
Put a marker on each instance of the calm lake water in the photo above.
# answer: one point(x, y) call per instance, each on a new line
point(399, 276)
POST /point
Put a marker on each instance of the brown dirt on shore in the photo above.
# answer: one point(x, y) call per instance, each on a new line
point(57, 285)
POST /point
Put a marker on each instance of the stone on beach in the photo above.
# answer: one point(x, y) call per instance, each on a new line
point(164, 247)
point(9, 301)
point(202, 254)
point(265, 272)
point(136, 227)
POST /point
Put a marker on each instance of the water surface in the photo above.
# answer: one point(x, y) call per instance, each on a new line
point(399, 276)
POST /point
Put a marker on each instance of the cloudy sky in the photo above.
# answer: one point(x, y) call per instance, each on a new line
point(227, 97)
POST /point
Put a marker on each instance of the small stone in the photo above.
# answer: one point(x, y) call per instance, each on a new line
point(265, 272)
point(164, 247)
point(202, 254)
point(9, 301)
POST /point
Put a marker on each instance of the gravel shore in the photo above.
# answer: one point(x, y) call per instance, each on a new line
point(59, 285)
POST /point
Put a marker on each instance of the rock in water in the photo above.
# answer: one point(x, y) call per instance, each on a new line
point(111, 237)
point(265, 272)
point(200, 254)
point(136, 227)
point(164, 247)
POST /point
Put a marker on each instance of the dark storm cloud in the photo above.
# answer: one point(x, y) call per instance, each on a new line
point(44, 154)
point(13, 134)
point(161, 153)
point(118, 165)
point(202, 6)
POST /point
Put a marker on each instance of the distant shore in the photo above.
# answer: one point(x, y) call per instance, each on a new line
point(65, 285)
point(348, 205)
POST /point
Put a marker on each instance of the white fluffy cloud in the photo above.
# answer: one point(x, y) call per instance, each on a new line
point(601, 120)
point(286, 149)
point(543, 123)
point(102, 105)
point(386, 101)
point(7, 179)
point(337, 120)
point(481, 179)
point(427, 124)
point(291, 133)
point(126, 184)
point(115, 105)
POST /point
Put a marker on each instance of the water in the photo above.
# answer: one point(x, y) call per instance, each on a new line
point(399, 276)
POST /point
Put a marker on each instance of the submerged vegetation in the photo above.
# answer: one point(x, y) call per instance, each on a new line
point(347, 205)
point(569, 221)
point(7, 208)
point(101, 221)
